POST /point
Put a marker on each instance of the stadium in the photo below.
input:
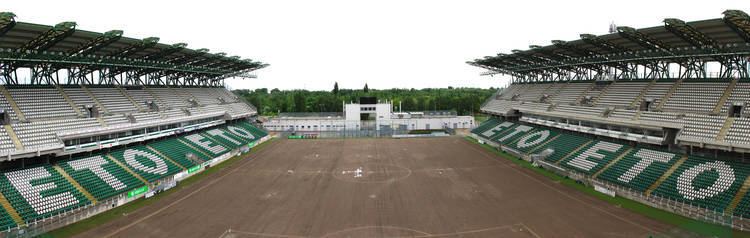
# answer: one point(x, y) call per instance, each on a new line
point(636, 133)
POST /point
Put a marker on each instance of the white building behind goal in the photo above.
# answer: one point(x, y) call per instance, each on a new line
point(369, 114)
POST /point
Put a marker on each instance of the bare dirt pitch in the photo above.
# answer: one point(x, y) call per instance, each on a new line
point(444, 187)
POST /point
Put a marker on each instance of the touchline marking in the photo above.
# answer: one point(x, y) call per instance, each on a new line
point(530, 230)
point(273, 145)
point(423, 234)
point(229, 231)
point(487, 155)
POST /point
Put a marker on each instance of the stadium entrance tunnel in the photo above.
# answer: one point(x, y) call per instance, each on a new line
point(371, 173)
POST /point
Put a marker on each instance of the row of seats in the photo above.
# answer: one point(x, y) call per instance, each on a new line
point(39, 103)
point(180, 152)
point(602, 152)
point(640, 168)
point(692, 97)
point(580, 110)
point(657, 91)
point(142, 96)
point(6, 144)
point(499, 106)
point(739, 131)
point(534, 106)
point(489, 123)
point(741, 95)
point(48, 112)
point(562, 146)
point(41, 192)
point(699, 97)
point(534, 94)
point(708, 183)
point(170, 98)
point(144, 162)
point(713, 188)
point(530, 141)
point(100, 176)
point(570, 93)
point(81, 97)
point(691, 112)
point(621, 94)
point(39, 134)
point(113, 100)
point(622, 114)
point(702, 127)
point(6, 221)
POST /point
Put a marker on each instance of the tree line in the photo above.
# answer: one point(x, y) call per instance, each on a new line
point(465, 101)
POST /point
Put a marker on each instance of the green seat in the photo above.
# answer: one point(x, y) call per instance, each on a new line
point(215, 149)
point(489, 123)
point(589, 164)
point(259, 133)
point(671, 189)
point(529, 141)
point(229, 143)
point(6, 222)
point(81, 169)
point(178, 151)
point(497, 129)
point(562, 146)
point(639, 176)
point(67, 197)
point(147, 164)
point(510, 135)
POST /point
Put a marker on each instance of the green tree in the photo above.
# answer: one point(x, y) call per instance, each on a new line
point(367, 89)
point(299, 102)
point(465, 101)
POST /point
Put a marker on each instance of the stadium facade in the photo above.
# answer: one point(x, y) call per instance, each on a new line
point(659, 115)
point(91, 121)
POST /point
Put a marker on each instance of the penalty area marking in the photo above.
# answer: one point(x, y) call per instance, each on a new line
point(229, 232)
point(417, 233)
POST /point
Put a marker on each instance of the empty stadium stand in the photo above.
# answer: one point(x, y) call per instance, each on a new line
point(103, 116)
point(100, 176)
point(563, 145)
point(640, 168)
point(602, 152)
point(42, 191)
point(145, 163)
point(180, 152)
point(688, 107)
point(47, 110)
point(705, 182)
point(647, 112)
point(702, 182)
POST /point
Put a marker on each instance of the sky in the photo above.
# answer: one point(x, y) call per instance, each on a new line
point(385, 43)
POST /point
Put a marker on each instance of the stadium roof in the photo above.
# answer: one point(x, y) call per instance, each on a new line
point(724, 40)
point(63, 46)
